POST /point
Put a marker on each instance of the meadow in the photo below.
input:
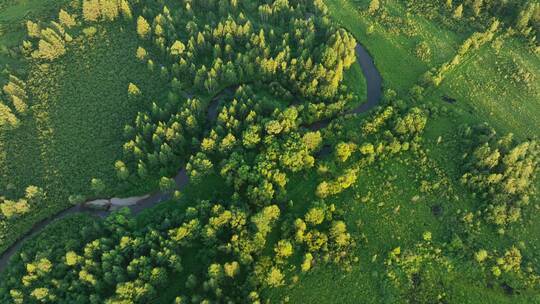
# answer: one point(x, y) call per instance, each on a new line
point(13, 29)
point(74, 132)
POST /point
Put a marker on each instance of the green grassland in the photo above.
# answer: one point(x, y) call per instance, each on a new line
point(386, 209)
point(394, 215)
point(355, 80)
point(13, 15)
point(484, 84)
point(74, 130)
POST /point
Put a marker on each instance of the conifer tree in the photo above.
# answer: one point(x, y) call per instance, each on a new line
point(91, 10)
point(33, 29)
point(458, 12)
point(143, 28)
point(141, 53)
point(15, 90)
point(121, 170)
point(7, 118)
point(374, 6)
point(109, 9)
point(177, 48)
point(133, 90)
point(51, 45)
point(66, 19)
point(525, 16)
point(477, 7)
point(125, 9)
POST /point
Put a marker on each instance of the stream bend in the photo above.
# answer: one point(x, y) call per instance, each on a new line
point(374, 93)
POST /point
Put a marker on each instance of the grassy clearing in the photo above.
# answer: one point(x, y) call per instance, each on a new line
point(17, 10)
point(391, 50)
point(484, 84)
point(13, 16)
point(386, 209)
point(79, 107)
point(382, 213)
point(355, 80)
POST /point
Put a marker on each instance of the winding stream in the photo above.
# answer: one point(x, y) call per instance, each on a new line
point(374, 92)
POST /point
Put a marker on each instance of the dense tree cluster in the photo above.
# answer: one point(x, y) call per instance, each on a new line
point(7, 117)
point(502, 171)
point(323, 235)
point(12, 208)
point(392, 130)
point(202, 53)
point(105, 10)
point(124, 263)
point(267, 71)
point(91, 274)
point(48, 41)
point(387, 132)
point(159, 137)
point(247, 125)
point(246, 83)
point(51, 41)
point(15, 92)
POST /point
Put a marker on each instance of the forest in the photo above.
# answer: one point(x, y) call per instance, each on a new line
point(269, 151)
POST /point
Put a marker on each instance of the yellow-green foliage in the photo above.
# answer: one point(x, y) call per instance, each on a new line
point(90, 31)
point(108, 10)
point(7, 118)
point(10, 208)
point(50, 46)
point(374, 5)
point(503, 171)
point(143, 28)
point(133, 90)
point(15, 90)
point(59, 28)
point(177, 48)
point(329, 188)
point(345, 150)
point(33, 29)
point(141, 53)
point(372, 125)
point(125, 9)
point(458, 13)
point(66, 19)
point(476, 40)
point(91, 10)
